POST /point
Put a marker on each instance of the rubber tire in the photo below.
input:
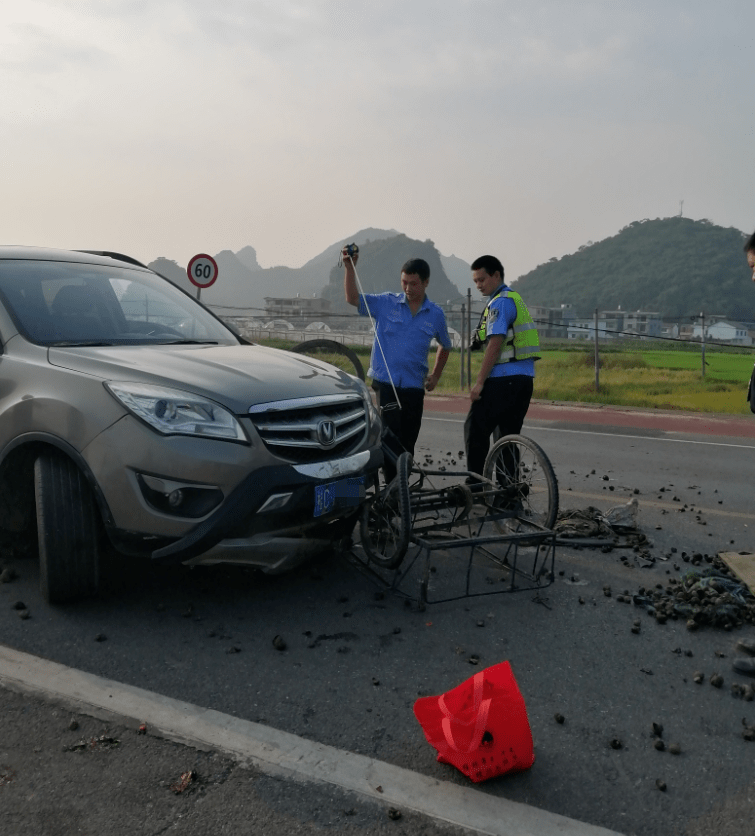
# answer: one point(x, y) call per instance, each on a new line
point(68, 529)
point(331, 347)
point(546, 518)
point(385, 524)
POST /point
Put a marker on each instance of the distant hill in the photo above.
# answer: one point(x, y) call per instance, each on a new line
point(379, 269)
point(675, 266)
point(329, 256)
point(248, 257)
point(238, 286)
point(243, 284)
point(457, 271)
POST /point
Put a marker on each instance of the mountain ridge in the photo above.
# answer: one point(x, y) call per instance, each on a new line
point(675, 266)
point(243, 284)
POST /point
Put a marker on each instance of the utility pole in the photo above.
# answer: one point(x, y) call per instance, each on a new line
point(597, 355)
point(469, 334)
point(681, 206)
point(464, 347)
point(702, 319)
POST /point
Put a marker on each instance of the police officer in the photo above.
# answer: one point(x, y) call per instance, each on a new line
point(502, 392)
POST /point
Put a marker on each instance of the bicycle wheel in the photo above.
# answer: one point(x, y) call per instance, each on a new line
point(335, 353)
point(385, 524)
point(525, 481)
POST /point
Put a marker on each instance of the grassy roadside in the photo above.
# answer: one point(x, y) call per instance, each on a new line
point(652, 377)
point(661, 379)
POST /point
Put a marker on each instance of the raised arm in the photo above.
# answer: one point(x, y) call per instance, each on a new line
point(350, 290)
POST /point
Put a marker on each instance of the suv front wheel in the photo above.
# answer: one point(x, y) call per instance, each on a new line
point(68, 528)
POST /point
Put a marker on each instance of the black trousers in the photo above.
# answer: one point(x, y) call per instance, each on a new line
point(501, 408)
point(403, 423)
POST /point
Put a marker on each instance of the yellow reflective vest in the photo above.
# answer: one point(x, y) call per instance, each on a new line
point(521, 342)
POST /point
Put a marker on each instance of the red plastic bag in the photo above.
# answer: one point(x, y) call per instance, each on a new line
point(481, 726)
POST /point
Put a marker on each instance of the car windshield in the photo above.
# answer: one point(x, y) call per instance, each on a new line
point(65, 303)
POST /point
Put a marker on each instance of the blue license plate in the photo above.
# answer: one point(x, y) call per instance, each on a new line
point(344, 493)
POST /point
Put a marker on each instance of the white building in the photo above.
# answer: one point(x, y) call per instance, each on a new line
point(723, 331)
point(616, 324)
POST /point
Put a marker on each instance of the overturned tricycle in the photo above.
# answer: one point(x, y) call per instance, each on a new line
point(499, 522)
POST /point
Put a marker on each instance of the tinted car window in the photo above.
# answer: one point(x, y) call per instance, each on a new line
point(55, 302)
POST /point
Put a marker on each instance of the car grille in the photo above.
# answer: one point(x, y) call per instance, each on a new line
point(312, 429)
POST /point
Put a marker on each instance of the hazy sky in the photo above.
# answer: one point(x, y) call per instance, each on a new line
point(521, 129)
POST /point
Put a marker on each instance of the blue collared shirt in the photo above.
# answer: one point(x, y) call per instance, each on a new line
point(405, 338)
point(501, 316)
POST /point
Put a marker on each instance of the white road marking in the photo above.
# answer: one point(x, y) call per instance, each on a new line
point(610, 434)
point(280, 753)
point(652, 503)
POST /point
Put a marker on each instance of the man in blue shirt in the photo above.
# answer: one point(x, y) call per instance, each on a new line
point(405, 325)
point(502, 392)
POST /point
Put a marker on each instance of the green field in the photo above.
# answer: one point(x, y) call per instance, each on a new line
point(652, 378)
point(664, 379)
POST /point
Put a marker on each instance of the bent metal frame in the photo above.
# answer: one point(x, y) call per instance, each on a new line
point(504, 546)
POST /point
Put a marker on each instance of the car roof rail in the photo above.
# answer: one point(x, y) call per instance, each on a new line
point(117, 256)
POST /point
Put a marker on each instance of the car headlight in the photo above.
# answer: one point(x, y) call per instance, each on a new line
point(373, 416)
point(173, 412)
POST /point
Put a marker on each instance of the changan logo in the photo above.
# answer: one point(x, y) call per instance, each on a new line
point(326, 433)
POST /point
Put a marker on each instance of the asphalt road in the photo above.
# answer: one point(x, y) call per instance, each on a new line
point(64, 773)
point(356, 658)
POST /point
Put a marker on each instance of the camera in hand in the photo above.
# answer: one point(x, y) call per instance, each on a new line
point(350, 251)
point(476, 344)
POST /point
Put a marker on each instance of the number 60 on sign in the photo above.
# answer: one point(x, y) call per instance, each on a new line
point(202, 270)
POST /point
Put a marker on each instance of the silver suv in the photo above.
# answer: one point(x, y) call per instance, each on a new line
point(128, 409)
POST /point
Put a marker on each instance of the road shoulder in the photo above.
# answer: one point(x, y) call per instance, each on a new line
point(281, 754)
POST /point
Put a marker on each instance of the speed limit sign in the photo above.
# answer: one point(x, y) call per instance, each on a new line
point(202, 270)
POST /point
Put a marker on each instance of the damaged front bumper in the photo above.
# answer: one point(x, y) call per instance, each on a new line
point(279, 515)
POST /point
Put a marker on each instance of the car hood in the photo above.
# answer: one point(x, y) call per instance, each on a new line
point(237, 377)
